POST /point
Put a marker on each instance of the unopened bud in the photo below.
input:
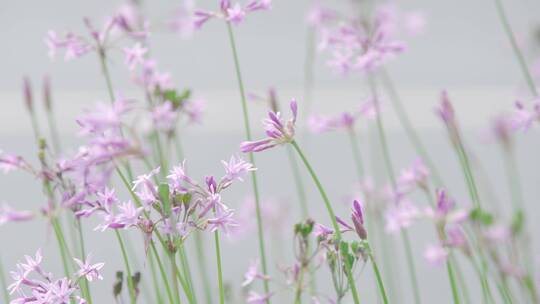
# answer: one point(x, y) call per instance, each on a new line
point(27, 92)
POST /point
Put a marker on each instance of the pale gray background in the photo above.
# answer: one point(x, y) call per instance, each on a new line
point(464, 50)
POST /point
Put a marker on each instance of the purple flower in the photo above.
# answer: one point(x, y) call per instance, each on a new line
point(194, 108)
point(104, 117)
point(8, 215)
point(236, 14)
point(498, 233)
point(523, 118)
point(253, 273)
point(255, 298)
point(357, 217)
point(74, 45)
point(445, 110)
point(223, 220)
point(415, 175)
point(278, 132)
point(164, 116)
point(236, 168)
point(436, 254)
point(399, 216)
point(135, 55)
point(10, 162)
point(88, 270)
point(33, 285)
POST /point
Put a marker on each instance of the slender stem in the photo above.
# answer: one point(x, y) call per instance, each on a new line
point(203, 270)
point(54, 131)
point(154, 280)
point(517, 51)
point(410, 265)
point(187, 273)
point(3, 284)
point(131, 287)
point(61, 245)
point(162, 272)
point(260, 231)
point(453, 285)
point(106, 74)
point(331, 213)
point(390, 172)
point(325, 198)
point(86, 288)
point(299, 287)
point(460, 279)
point(298, 182)
point(467, 171)
point(380, 283)
point(407, 125)
point(174, 268)
point(219, 271)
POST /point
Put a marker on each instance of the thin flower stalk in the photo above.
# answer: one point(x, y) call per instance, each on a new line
point(219, 270)
point(262, 250)
point(162, 272)
point(515, 47)
point(132, 294)
point(174, 269)
point(390, 172)
point(3, 285)
point(407, 125)
point(51, 120)
point(203, 270)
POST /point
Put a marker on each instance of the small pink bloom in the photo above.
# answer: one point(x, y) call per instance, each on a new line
point(436, 254)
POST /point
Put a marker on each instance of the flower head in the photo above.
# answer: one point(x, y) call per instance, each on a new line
point(278, 132)
point(88, 270)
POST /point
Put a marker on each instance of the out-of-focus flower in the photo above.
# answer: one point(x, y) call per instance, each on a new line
point(278, 132)
point(436, 254)
point(523, 118)
point(8, 215)
point(253, 273)
point(255, 298)
point(164, 116)
point(401, 215)
point(414, 176)
point(234, 14)
point(104, 117)
point(74, 46)
point(134, 55)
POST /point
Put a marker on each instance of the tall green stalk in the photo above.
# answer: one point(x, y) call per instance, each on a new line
point(3, 284)
point(390, 172)
point(330, 211)
point(132, 295)
point(203, 270)
point(174, 269)
point(407, 125)
point(515, 47)
point(155, 253)
point(219, 271)
point(262, 250)
point(379, 279)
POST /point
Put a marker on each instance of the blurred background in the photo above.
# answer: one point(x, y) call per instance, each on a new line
point(463, 49)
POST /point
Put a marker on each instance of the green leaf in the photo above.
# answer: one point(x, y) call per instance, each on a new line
point(163, 190)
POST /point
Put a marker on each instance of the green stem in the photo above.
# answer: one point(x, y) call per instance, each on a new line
point(203, 270)
point(461, 279)
point(106, 74)
point(154, 280)
point(407, 125)
point(219, 271)
point(260, 231)
point(380, 283)
point(515, 47)
point(86, 288)
point(174, 269)
point(298, 182)
point(453, 285)
point(331, 213)
point(390, 172)
point(61, 245)
point(54, 132)
point(3, 284)
point(132, 295)
point(187, 273)
point(162, 272)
